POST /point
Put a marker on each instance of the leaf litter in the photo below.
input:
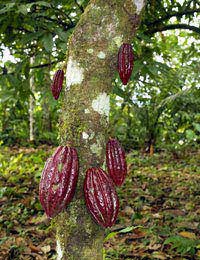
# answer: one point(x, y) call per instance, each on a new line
point(158, 219)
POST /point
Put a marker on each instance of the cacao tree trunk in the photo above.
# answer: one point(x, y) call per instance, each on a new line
point(91, 65)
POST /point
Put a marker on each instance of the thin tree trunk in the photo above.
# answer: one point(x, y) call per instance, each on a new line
point(4, 121)
point(46, 116)
point(31, 105)
point(92, 63)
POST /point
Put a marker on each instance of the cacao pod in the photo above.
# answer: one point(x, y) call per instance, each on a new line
point(125, 62)
point(100, 196)
point(57, 83)
point(116, 161)
point(58, 181)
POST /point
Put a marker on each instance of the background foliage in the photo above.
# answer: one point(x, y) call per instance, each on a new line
point(158, 108)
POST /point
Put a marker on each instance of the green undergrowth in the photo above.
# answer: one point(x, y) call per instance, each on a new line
point(159, 208)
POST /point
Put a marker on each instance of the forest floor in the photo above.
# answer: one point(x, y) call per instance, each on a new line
point(159, 208)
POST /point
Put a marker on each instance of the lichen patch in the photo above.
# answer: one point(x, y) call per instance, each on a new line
point(139, 5)
point(92, 135)
point(74, 74)
point(90, 51)
point(87, 111)
point(118, 40)
point(59, 250)
point(101, 55)
point(96, 148)
point(85, 135)
point(102, 104)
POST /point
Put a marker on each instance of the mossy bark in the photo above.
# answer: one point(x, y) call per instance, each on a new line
point(91, 65)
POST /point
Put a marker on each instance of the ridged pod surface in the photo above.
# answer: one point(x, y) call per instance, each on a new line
point(100, 196)
point(58, 181)
point(125, 62)
point(57, 83)
point(116, 161)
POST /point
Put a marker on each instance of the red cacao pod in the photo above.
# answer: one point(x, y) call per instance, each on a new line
point(125, 62)
point(58, 181)
point(100, 196)
point(56, 85)
point(116, 161)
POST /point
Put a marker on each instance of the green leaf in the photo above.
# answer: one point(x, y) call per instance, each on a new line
point(27, 38)
point(138, 64)
point(129, 229)
point(8, 96)
point(190, 134)
point(62, 35)
point(119, 92)
point(43, 3)
point(47, 42)
point(196, 126)
point(7, 8)
point(62, 46)
point(23, 9)
point(144, 37)
point(181, 244)
point(126, 230)
point(110, 235)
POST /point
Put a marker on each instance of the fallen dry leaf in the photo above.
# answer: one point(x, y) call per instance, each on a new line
point(34, 249)
point(38, 257)
point(46, 249)
point(176, 212)
point(19, 240)
point(154, 247)
point(188, 234)
point(159, 255)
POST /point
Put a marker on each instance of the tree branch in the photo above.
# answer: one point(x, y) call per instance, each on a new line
point(172, 27)
point(44, 65)
point(65, 25)
point(168, 16)
point(65, 15)
point(5, 70)
point(188, 3)
point(79, 6)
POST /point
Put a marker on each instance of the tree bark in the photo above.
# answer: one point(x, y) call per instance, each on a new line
point(91, 66)
point(46, 115)
point(31, 105)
